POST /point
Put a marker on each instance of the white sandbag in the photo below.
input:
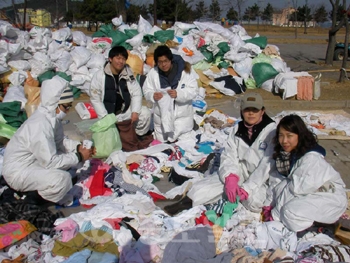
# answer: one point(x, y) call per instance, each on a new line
point(122, 27)
point(144, 26)
point(23, 38)
point(279, 65)
point(15, 93)
point(7, 30)
point(35, 31)
point(224, 32)
point(14, 48)
point(100, 44)
point(20, 64)
point(62, 34)
point(17, 78)
point(236, 57)
point(62, 60)
point(136, 40)
point(117, 21)
point(240, 31)
point(80, 56)
point(40, 63)
point(267, 85)
point(250, 48)
point(79, 38)
point(85, 110)
point(180, 28)
point(39, 43)
point(154, 29)
point(244, 67)
point(22, 55)
point(220, 86)
point(96, 61)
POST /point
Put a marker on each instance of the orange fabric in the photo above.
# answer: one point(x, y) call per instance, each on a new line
point(188, 52)
point(136, 63)
point(305, 88)
point(31, 81)
point(12, 232)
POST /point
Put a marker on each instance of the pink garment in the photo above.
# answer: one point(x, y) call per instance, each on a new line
point(155, 142)
point(305, 88)
point(266, 212)
point(69, 229)
point(243, 195)
point(250, 127)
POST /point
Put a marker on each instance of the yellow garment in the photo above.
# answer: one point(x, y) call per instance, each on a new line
point(95, 240)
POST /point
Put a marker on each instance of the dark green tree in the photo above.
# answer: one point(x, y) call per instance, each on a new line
point(214, 10)
point(201, 10)
point(304, 13)
point(232, 14)
point(320, 14)
point(339, 13)
point(134, 11)
point(267, 13)
point(172, 10)
point(251, 13)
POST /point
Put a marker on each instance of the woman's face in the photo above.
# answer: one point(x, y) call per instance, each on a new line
point(288, 140)
point(252, 115)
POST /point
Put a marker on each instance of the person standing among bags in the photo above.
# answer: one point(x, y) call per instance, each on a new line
point(37, 157)
point(246, 161)
point(170, 86)
point(307, 188)
point(114, 89)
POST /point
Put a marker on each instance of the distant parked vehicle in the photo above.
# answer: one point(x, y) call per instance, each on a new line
point(339, 51)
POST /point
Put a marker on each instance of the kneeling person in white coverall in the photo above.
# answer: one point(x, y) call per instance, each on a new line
point(37, 157)
point(307, 188)
point(246, 161)
point(171, 86)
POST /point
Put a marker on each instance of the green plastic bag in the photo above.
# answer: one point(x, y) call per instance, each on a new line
point(131, 32)
point(259, 41)
point(148, 38)
point(7, 131)
point(262, 72)
point(46, 75)
point(163, 35)
point(118, 37)
point(105, 136)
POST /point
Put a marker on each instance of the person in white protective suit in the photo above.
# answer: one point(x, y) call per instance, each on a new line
point(114, 89)
point(170, 86)
point(246, 161)
point(307, 188)
point(37, 157)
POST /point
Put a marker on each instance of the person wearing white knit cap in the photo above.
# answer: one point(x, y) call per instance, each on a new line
point(37, 157)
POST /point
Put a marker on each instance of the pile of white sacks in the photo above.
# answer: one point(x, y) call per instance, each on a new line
point(41, 49)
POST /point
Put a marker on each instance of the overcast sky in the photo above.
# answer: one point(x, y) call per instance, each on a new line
point(261, 3)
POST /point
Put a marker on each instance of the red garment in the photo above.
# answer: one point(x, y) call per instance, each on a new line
point(133, 167)
point(156, 196)
point(98, 184)
point(114, 222)
point(203, 220)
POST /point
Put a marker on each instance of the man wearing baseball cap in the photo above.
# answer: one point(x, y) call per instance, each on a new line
point(247, 157)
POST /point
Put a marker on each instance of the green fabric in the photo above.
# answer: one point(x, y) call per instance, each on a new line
point(16, 121)
point(6, 130)
point(2, 119)
point(64, 76)
point(202, 65)
point(12, 108)
point(250, 83)
point(105, 136)
point(118, 37)
point(224, 48)
point(94, 240)
point(126, 45)
point(224, 64)
point(259, 41)
point(148, 38)
point(262, 58)
point(262, 72)
point(163, 35)
point(76, 91)
point(131, 32)
point(226, 213)
point(98, 34)
point(106, 29)
point(46, 75)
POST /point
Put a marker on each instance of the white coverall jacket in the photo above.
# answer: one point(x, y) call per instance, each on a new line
point(97, 94)
point(253, 164)
point(182, 115)
point(37, 156)
point(300, 199)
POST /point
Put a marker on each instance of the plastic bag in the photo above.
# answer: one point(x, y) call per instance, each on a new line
point(105, 136)
point(6, 130)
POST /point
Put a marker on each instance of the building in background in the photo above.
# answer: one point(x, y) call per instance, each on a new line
point(39, 17)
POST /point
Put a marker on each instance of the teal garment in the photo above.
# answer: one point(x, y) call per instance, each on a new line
point(226, 213)
point(12, 113)
point(46, 75)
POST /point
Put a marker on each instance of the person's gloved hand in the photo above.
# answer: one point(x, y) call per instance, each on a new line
point(231, 187)
point(243, 195)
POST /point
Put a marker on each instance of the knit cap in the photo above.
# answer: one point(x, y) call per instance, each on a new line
point(66, 97)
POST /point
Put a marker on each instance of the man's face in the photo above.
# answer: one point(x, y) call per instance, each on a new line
point(117, 64)
point(164, 63)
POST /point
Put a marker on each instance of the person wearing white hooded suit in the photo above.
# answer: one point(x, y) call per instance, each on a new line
point(37, 157)
point(171, 86)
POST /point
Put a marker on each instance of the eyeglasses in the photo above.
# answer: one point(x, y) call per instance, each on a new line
point(66, 107)
point(163, 62)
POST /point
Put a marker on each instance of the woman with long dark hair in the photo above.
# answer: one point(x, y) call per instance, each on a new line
point(308, 189)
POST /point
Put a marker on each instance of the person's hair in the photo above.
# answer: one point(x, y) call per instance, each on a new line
point(306, 139)
point(118, 50)
point(162, 51)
